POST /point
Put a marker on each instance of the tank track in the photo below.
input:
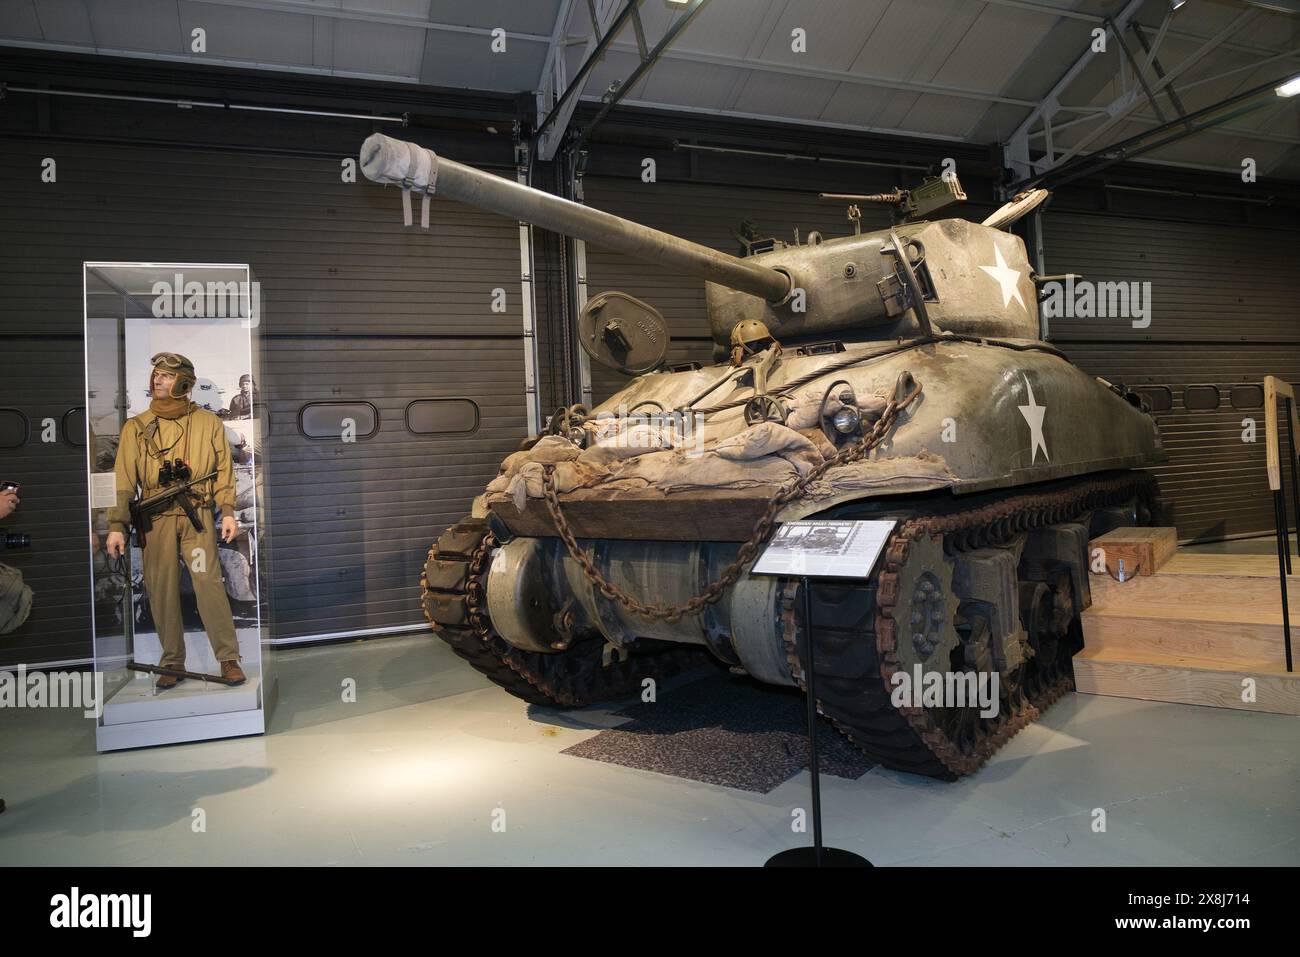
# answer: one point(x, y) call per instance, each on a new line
point(857, 656)
point(452, 596)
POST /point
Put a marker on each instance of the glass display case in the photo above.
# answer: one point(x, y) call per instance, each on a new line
point(176, 467)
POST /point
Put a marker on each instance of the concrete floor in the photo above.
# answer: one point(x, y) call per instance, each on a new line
point(417, 770)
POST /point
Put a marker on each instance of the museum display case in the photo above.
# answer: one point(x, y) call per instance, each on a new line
point(176, 470)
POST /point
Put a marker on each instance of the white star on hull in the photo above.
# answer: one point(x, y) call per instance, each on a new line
point(1033, 413)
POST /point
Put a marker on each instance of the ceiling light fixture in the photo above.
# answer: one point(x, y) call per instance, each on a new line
point(1290, 88)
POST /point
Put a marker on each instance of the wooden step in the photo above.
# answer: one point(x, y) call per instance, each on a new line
point(1235, 622)
point(1204, 597)
point(1249, 566)
point(1223, 645)
point(1152, 676)
point(1193, 633)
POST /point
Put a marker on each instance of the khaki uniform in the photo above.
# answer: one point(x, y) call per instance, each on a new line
point(199, 438)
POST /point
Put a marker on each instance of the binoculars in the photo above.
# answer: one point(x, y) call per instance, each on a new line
point(174, 470)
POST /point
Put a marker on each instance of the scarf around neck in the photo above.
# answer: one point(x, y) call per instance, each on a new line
point(171, 408)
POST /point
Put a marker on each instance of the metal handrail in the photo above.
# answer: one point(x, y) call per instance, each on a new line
point(1273, 389)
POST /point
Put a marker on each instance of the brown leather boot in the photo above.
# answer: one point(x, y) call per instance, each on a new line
point(231, 671)
point(167, 682)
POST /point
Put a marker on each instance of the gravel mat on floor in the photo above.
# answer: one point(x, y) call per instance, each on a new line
point(724, 730)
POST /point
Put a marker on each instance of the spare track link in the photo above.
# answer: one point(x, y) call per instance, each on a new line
point(453, 597)
point(855, 664)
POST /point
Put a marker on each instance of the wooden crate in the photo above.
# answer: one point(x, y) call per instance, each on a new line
point(1143, 550)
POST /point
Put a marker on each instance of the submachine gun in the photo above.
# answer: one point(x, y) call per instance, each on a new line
point(143, 509)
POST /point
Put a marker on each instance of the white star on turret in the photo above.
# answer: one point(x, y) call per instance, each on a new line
point(1007, 278)
point(1033, 414)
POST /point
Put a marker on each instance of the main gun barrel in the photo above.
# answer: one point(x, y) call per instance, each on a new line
point(387, 160)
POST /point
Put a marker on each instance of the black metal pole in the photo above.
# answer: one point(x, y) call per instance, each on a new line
point(1283, 526)
point(1279, 518)
point(1295, 481)
point(821, 856)
point(812, 724)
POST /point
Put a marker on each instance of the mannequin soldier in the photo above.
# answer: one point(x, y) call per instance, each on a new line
point(172, 428)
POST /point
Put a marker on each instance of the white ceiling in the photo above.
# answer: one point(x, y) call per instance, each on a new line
point(968, 70)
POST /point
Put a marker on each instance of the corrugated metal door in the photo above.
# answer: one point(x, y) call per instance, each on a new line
point(357, 309)
point(1224, 308)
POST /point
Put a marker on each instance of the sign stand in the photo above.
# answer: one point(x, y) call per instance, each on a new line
point(822, 549)
point(817, 855)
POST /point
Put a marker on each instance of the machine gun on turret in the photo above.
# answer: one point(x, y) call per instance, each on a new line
point(911, 205)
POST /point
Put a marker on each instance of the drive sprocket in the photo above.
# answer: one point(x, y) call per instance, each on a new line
point(452, 596)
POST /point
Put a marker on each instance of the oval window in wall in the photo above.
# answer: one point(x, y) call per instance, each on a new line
point(1247, 396)
point(437, 416)
point(1201, 398)
point(328, 420)
point(1160, 398)
point(74, 427)
point(14, 429)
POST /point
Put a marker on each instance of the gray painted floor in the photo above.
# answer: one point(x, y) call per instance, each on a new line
point(416, 771)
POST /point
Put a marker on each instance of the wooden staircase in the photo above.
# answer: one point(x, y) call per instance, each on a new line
point(1193, 632)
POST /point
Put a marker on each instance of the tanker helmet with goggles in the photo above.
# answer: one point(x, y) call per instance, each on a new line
point(747, 338)
point(179, 366)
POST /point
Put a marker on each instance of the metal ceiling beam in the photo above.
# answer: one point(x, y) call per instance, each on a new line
point(1252, 66)
point(555, 48)
point(647, 62)
point(1137, 69)
point(1049, 10)
point(1240, 104)
point(786, 120)
point(1277, 6)
point(1016, 149)
point(1204, 167)
point(1154, 60)
point(1143, 120)
point(362, 16)
point(1125, 104)
point(209, 60)
point(1214, 78)
point(553, 121)
point(554, 75)
point(836, 76)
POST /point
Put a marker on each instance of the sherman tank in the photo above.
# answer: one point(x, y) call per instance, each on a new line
point(890, 375)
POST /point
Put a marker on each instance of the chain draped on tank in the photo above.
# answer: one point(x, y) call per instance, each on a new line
point(790, 492)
